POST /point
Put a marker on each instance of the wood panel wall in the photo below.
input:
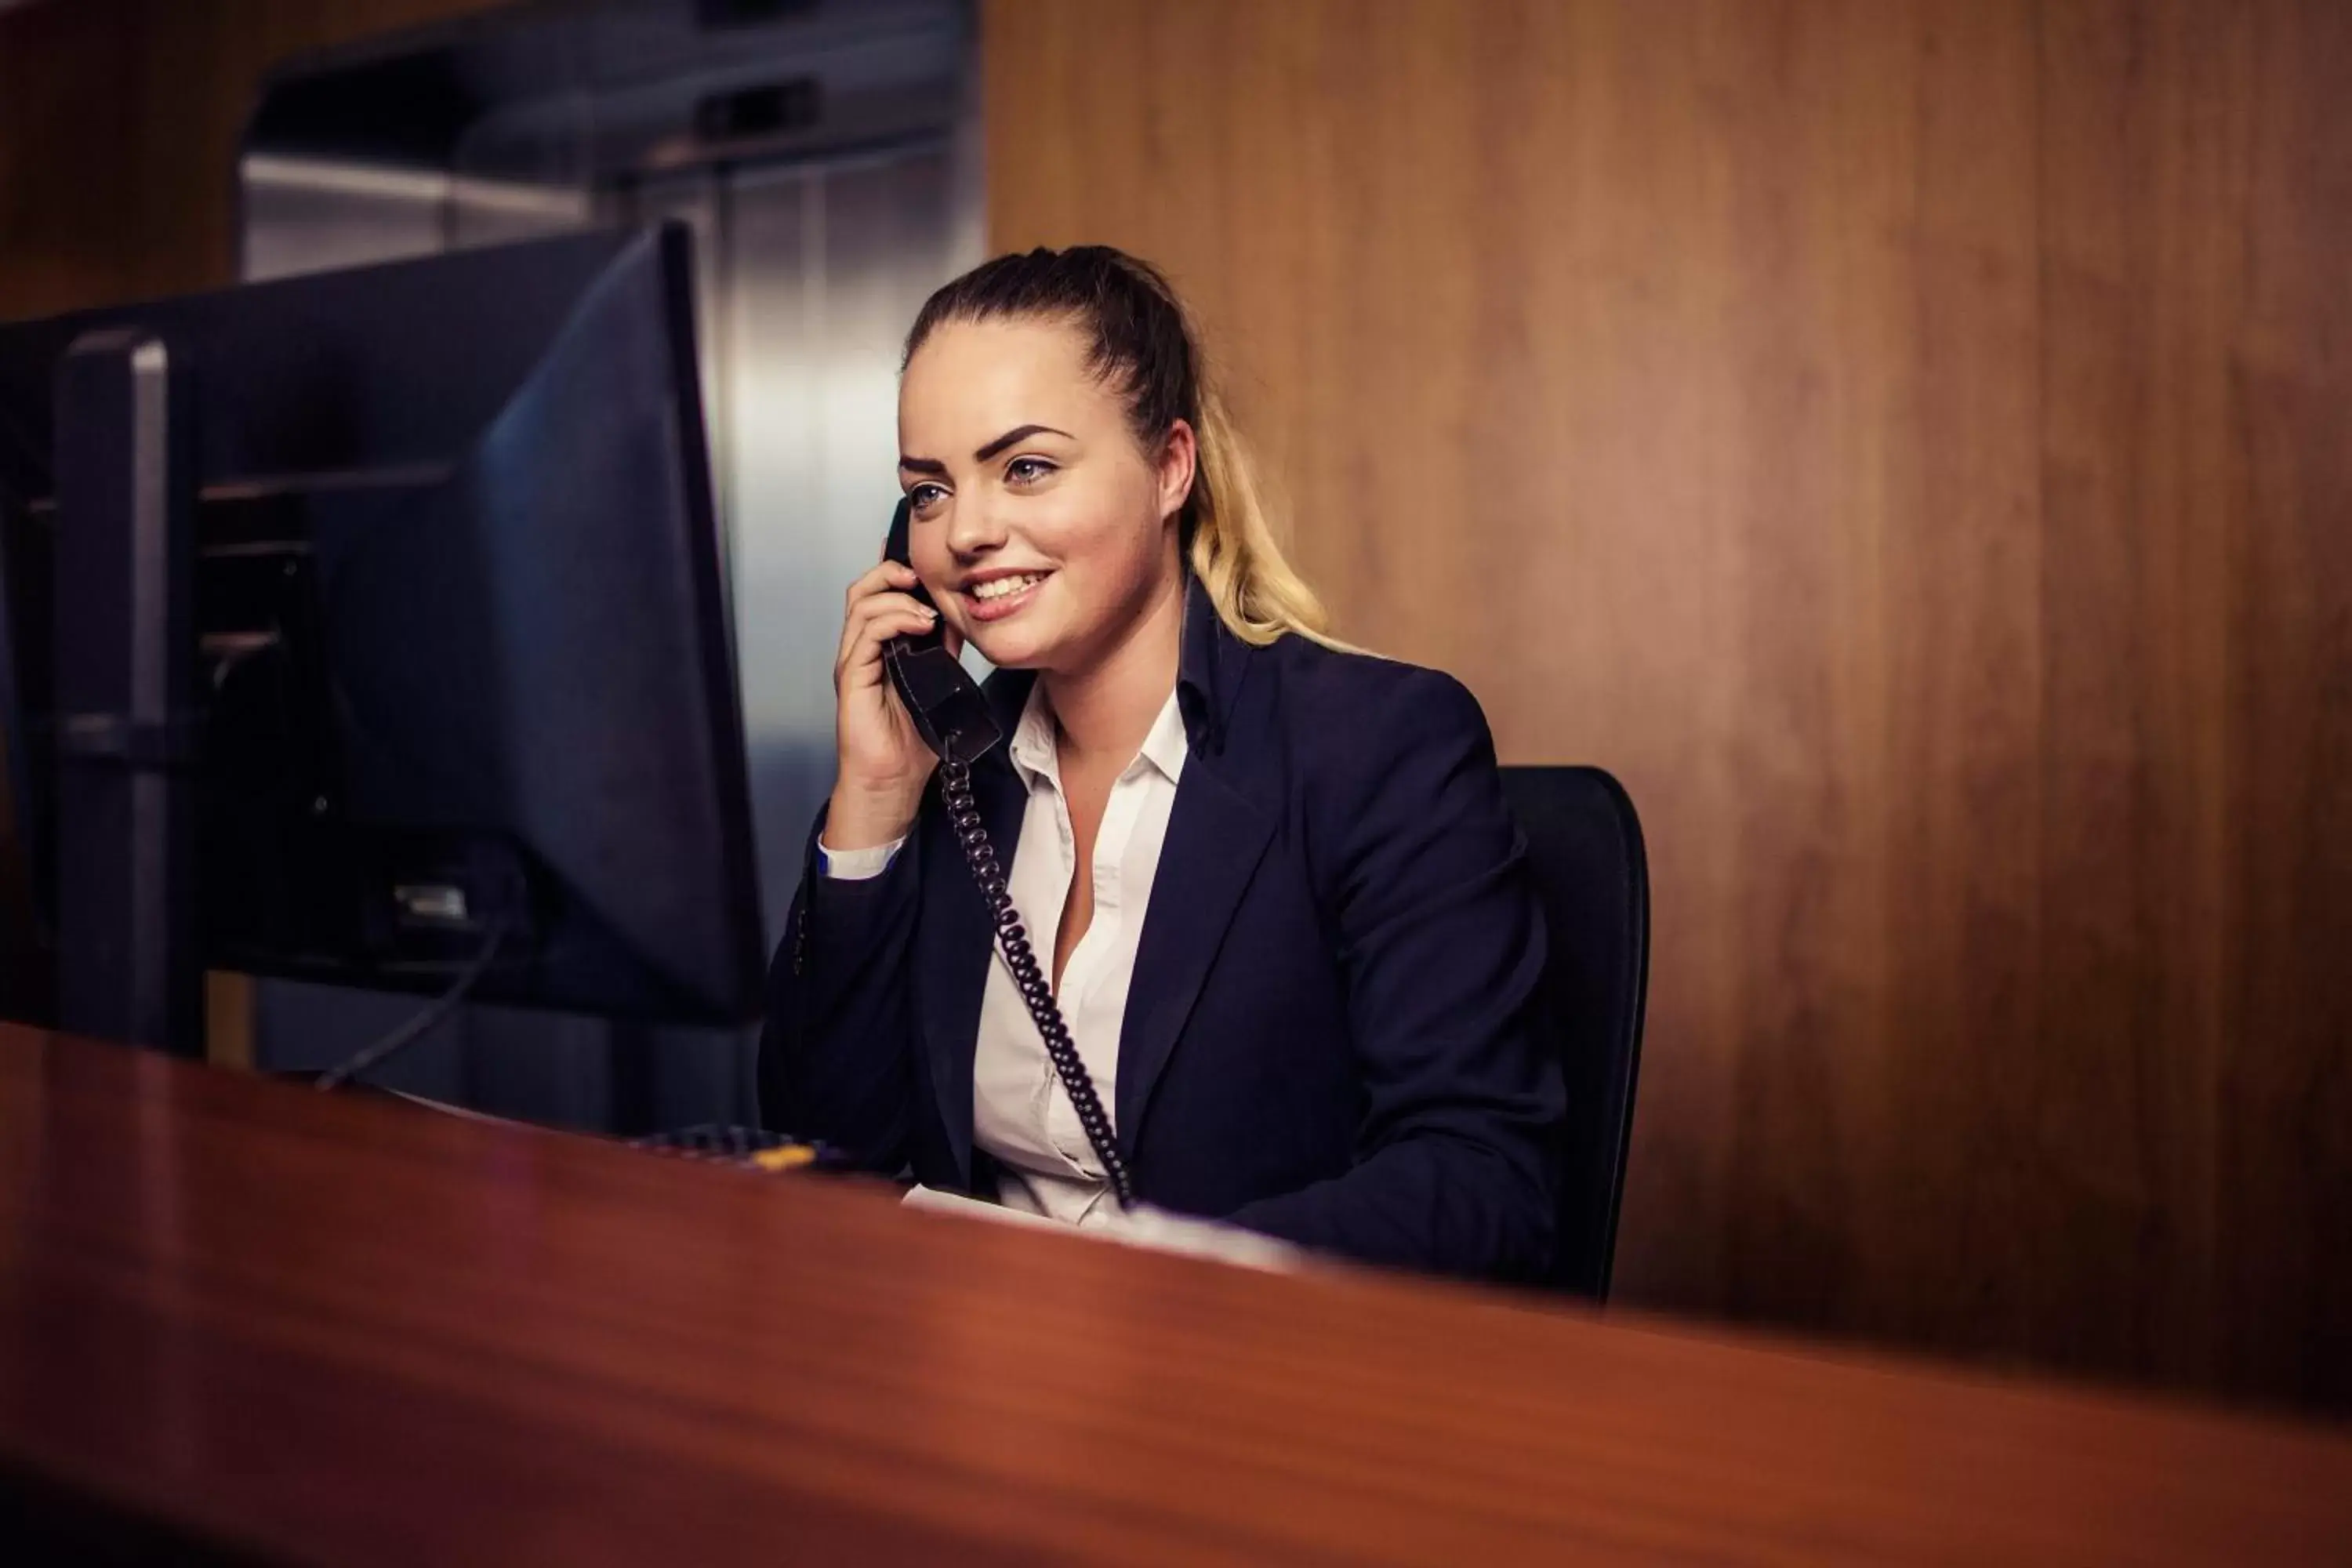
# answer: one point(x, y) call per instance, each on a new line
point(1912, 445)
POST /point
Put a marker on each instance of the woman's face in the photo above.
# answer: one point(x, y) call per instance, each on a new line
point(1039, 525)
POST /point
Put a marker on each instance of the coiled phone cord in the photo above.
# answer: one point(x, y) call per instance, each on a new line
point(1012, 938)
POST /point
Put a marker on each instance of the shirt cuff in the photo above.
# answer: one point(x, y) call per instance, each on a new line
point(856, 865)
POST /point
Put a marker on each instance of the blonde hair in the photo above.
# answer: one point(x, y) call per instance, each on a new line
point(1258, 594)
point(1141, 339)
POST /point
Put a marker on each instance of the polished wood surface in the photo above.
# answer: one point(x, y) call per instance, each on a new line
point(1910, 442)
point(331, 1329)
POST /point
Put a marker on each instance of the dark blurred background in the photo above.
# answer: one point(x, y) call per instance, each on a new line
point(1908, 441)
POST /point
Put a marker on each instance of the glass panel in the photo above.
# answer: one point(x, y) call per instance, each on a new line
point(827, 267)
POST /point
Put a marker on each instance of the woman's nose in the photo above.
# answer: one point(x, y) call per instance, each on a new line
point(973, 526)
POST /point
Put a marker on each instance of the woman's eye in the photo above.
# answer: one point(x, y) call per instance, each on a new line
point(922, 498)
point(1027, 470)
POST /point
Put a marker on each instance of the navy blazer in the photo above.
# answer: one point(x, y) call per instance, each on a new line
point(1330, 1033)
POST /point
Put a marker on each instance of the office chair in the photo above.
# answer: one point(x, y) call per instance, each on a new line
point(1584, 846)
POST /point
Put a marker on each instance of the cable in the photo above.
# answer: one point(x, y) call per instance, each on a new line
point(418, 1027)
point(963, 813)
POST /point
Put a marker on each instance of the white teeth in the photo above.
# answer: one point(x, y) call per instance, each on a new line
point(997, 588)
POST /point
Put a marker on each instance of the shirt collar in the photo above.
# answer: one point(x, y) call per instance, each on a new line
point(1164, 748)
point(1034, 755)
point(1032, 746)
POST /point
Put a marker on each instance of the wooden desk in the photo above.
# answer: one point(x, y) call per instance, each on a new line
point(254, 1318)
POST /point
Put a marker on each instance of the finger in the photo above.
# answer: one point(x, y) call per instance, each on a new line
point(879, 578)
point(889, 605)
point(861, 668)
point(863, 609)
point(865, 647)
point(884, 624)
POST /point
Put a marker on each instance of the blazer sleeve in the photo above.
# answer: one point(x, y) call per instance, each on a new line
point(835, 1053)
point(1442, 943)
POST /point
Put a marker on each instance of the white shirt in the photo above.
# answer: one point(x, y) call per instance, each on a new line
point(1021, 1114)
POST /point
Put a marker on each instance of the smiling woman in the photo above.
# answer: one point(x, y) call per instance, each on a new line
point(1294, 944)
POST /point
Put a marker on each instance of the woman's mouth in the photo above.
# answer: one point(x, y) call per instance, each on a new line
point(1001, 596)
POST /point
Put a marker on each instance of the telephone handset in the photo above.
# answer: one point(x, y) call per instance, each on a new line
point(939, 694)
point(952, 717)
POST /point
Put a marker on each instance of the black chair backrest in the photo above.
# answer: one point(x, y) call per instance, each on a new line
point(1584, 845)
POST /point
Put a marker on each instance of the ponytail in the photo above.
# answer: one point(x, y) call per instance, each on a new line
point(1257, 594)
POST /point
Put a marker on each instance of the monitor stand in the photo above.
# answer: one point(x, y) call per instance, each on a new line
point(127, 723)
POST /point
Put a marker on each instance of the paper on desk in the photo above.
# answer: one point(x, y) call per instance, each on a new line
point(1142, 1225)
point(934, 1201)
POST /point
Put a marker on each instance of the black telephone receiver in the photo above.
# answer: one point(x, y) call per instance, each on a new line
point(939, 694)
point(952, 717)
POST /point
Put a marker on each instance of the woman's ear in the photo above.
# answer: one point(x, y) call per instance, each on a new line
point(1180, 456)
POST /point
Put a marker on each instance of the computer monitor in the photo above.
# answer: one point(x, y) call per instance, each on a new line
point(350, 617)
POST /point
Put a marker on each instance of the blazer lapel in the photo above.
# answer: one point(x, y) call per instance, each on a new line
point(955, 938)
point(1215, 839)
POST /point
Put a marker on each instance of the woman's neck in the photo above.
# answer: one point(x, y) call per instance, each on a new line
point(1105, 709)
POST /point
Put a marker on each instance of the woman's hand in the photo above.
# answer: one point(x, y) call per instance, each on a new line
point(882, 763)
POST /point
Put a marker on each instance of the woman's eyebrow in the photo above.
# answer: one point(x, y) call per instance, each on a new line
point(934, 466)
point(1023, 434)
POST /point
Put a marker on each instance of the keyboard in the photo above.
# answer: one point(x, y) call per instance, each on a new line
point(750, 1148)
